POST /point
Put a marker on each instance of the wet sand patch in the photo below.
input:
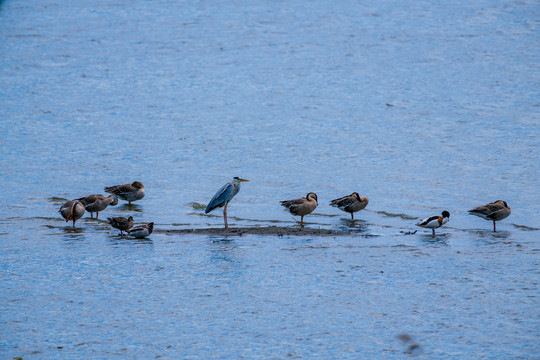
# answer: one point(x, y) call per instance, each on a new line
point(264, 230)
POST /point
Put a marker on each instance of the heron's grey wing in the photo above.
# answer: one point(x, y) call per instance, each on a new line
point(223, 195)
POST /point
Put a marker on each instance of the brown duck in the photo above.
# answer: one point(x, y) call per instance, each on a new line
point(494, 211)
point(350, 203)
point(302, 206)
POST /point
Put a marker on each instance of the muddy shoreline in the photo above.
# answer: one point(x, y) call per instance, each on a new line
point(266, 230)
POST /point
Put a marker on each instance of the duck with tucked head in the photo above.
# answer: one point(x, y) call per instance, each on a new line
point(494, 211)
point(72, 210)
point(129, 192)
point(302, 206)
point(434, 222)
point(141, 231)
point(96, 203)
point(350, 203)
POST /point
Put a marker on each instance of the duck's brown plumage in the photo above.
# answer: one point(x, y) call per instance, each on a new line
point(72, 210)
point(494, 211)
point(97, 202)
point(302, 206)
point(351, 203)
point(129, 192)
point(121, 223)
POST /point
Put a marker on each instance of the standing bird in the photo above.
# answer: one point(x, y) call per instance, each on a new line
point(223, 196)
point(350, 203)
point(72, 210)
point(141, 231)
point(301, 206)
point(96, 203)
point(129, 192)
point(434, 222)
point(121, 223)
point(495, 211)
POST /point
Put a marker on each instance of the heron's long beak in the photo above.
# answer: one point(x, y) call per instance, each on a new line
point(246, 180)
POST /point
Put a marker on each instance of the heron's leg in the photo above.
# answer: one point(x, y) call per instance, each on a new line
point(225, 216)
point(433, 232)
point(494, 229)
point(352, 216)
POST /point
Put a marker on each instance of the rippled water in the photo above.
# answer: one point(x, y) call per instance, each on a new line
point(422, 107)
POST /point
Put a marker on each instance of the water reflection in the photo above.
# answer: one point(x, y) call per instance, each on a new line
point(437, 239)
point(224, 249)
point(71, 234)
point(492, 237)
point(130, 208)
point(73, 230)
point(128, 240)
point(411, 346)
point(353, 224)
point(292, 134)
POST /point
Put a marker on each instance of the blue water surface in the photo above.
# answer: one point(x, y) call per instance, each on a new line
point(422, 106)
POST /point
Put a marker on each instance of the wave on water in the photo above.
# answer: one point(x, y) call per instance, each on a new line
point(197, 206)
point(526, 228)
point(403, 216)
point(57, 200)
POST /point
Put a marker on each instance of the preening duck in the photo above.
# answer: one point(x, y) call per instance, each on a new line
point(302, 206)
point(129, 192)
point(141, 231)
point(96, 203)
point(434, 222)
point(494, 211)
point(350, 203)
point(72, 210)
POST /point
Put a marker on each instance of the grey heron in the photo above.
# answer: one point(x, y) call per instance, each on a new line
point(223, 196)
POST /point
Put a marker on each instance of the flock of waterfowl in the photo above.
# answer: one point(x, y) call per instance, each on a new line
point(74, 209)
